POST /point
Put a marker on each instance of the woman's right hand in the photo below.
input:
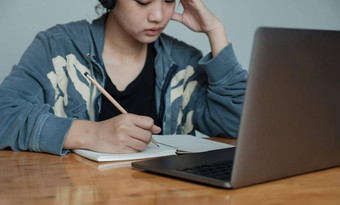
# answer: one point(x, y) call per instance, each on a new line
point(125, 133)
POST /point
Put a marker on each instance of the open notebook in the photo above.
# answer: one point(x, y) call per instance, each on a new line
point(169, 145)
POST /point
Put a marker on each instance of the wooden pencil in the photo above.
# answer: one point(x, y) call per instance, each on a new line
point(112, 100)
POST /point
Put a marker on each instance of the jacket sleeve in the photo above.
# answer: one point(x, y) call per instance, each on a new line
point(27, 119)
point(219, 104)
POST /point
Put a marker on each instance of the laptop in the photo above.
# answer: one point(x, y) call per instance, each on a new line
point(290, 122)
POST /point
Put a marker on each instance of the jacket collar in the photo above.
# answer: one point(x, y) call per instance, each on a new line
point(163, 46)
point(97, 31)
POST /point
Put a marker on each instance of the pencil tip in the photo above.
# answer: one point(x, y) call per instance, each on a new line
point(86, 73)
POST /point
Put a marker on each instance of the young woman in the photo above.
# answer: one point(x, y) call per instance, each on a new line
point(166, 86)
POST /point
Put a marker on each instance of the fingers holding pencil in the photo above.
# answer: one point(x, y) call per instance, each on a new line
point(146, 125)
point(125, 133)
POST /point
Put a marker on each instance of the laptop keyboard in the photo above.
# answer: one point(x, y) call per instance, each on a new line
point(221, 170)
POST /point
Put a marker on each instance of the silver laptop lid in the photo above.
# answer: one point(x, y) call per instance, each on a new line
point(291, 117)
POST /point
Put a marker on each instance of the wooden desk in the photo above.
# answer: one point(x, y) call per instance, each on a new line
point(37, 178)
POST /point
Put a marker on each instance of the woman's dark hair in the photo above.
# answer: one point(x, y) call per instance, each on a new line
point(109, 4)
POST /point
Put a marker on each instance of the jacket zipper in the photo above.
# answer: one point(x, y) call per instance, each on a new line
point(92, 90)
point(166, 84)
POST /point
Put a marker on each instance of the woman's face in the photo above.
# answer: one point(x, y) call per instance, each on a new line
point(143, 20)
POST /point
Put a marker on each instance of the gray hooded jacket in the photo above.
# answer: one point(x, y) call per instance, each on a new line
point(47, 90)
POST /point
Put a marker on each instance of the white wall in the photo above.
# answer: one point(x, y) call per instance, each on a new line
point(21, 20)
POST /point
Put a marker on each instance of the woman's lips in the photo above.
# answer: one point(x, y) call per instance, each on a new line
point(153, 31)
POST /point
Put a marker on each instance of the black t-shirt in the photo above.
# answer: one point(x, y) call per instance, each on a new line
point(138, 97)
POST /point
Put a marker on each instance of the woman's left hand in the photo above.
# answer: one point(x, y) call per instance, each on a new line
point(197, 17)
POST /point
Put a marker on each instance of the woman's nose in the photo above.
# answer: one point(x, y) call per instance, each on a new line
point(156, 12)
